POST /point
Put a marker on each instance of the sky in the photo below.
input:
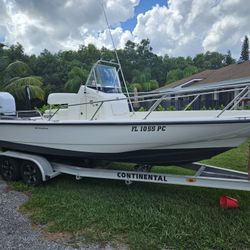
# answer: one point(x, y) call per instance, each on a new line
point(174, 27)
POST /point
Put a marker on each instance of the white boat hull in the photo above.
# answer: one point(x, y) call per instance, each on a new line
point(136, 141)
point(97, 123)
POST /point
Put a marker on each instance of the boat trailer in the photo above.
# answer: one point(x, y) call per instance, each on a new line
point(34, 169)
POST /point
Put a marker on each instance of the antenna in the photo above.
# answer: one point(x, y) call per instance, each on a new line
point(117, 57)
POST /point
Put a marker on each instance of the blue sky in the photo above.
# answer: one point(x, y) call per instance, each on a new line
point(143, 6)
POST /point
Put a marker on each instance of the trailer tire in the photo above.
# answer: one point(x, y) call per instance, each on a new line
point(31, 174)
point(9, 169)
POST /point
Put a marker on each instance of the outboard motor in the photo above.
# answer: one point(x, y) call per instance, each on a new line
point(28, 98)
point(7, 104)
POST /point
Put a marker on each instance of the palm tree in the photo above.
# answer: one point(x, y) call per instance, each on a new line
point(76, 77)
point(16, 69)
point(17, 87)
point(17, 77)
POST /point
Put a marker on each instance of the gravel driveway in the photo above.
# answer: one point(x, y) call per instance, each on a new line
point(16, 231)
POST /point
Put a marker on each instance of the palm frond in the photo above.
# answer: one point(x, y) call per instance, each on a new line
point(16, 69)
point(17, 87)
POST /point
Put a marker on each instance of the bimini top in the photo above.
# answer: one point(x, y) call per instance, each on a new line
point(104, 78)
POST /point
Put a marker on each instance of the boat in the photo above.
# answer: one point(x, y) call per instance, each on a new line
point(99, 123)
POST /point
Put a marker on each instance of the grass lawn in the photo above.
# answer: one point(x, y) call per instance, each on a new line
point(144, 216)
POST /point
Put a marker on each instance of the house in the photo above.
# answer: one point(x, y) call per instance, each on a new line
point(230, 75)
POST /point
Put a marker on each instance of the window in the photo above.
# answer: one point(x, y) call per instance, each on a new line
point(104, 78)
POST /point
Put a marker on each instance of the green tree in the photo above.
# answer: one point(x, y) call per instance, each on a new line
point(76, 77)
point(209, 60)
point(150, 85)
point(215, 60)
point(137, 76)
point(132, 86)
point(52, 68)
point(17, 77)
point(144, 48)
point(2, 45)
point(66, 70)
point(245, 49)
point(107, 55)
point(228, 58)
point(88, 55)
point(16, 52)
point(190, 70)
point(174, 75)
point(16, 69)
point(199, 61)
point(128, 58)
point(4, 61)
point(17, 88)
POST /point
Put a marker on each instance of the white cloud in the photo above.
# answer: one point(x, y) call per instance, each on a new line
point(119, 36)
point(185, 27)
point(61, 24)
point(188, 27)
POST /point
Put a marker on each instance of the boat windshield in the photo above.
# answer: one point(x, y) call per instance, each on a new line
point(104, 78)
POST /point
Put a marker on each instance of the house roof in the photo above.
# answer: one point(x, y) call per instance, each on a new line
point(230, 72)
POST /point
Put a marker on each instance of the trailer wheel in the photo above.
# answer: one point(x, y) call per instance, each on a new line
point(31, 174)
point(9, 169)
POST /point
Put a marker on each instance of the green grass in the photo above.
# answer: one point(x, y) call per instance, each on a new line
point(144, 216)
point(235, 159)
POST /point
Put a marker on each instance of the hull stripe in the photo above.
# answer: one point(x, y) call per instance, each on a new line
point(163, 156)
point(30, 123)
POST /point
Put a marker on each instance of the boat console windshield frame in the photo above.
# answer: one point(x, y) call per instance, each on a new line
point(104, 77)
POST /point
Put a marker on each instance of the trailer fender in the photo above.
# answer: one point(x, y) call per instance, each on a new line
point(42, 163)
